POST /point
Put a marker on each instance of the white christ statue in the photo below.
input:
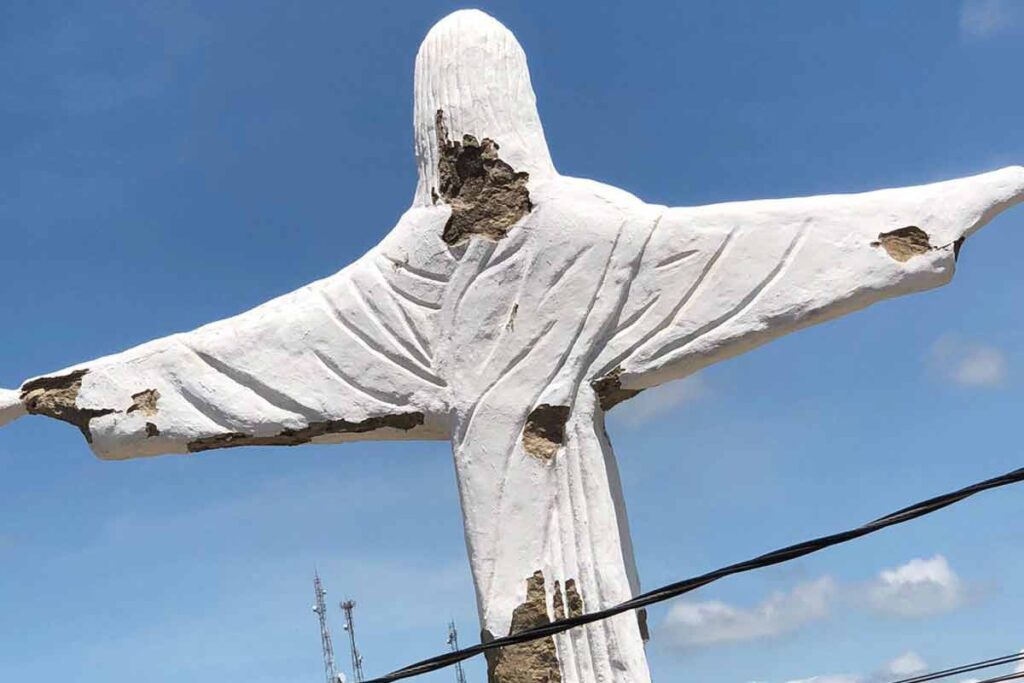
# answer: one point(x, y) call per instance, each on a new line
point(508, 310)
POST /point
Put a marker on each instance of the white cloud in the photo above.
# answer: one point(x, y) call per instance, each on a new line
point(703, 624)
point(981, 366)
point(830, 678)
point(907, 664)
point(658, 401)
point(918, 588)
point(984, 18)
point(921, 587)
point(969, 364)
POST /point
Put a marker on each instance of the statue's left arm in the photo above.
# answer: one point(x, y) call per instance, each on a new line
point(718, 280)
point(345, 358)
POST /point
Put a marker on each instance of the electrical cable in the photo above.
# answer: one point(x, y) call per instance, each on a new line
point(963, 669)
point(1007, 677)
point(657, 595)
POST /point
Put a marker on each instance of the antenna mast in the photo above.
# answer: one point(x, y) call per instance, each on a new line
point(350, 626)
point(453, 643)
point(325, 634)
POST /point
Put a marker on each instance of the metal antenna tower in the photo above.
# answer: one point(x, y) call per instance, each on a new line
point(350, 626)
point(453, 643)
point(320, 608)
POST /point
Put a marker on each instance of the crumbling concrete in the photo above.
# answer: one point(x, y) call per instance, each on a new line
point(544, 432)
point(535, 661)
point(609, 390)
point(486, 195)
point(573, 598)
point(558, 602)
point(295, 437)
point(57, 397)
point(144, 402)
point(905, 243)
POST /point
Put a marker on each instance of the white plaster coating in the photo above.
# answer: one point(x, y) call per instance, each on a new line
point(474, 69)
point(592, 281)
point(11, 406)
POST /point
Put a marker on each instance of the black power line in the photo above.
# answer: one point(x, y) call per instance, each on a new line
point(679, 588)
point(1007, 677)
point(964, 668)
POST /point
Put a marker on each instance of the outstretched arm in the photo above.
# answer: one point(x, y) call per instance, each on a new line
point(345, 358)
point(719, 280)
point(11, 407)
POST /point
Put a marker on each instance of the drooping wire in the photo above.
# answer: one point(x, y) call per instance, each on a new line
point(657, 595)
point(1007, 677)
point(963, 669)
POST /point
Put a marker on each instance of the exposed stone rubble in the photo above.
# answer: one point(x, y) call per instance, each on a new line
point(295, 437)
point(144, 402)
point(535, 661)
point(609, 390)
point(905, 243)
point(57, 397)
point(487, 196)
point(544, 432)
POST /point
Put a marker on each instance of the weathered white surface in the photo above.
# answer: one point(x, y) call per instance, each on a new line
point(463, 342)
point(11, 406)
point(474, 69)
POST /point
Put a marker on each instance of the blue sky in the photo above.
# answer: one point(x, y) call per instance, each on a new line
point(167, 164)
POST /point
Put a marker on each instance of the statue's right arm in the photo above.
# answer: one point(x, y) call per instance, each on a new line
point(719, 280)
point(345, 358)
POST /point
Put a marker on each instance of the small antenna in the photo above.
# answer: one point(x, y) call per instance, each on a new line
point(453, 643)
point(320, 608)
point(350, 626)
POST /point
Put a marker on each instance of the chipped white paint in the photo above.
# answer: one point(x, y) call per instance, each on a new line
point(463, 342)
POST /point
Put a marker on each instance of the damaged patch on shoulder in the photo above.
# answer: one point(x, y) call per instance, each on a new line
point(609, 390)
point(57, 397)
point(486, 195)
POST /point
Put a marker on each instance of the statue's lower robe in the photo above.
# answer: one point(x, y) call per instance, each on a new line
point(547, 537)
